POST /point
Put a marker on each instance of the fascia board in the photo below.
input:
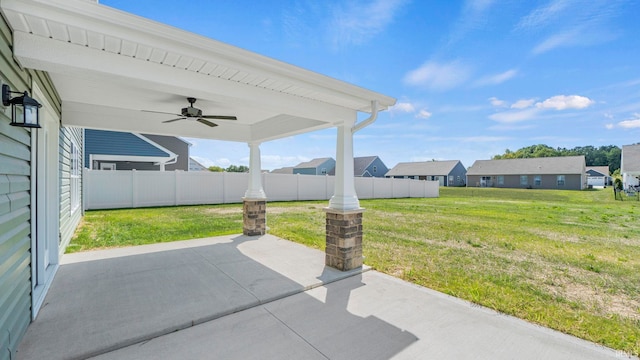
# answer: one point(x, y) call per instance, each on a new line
point(102, 157)
point(155, 144)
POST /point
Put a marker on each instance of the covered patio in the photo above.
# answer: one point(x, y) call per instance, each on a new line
point(239, 297)
point(117, 71)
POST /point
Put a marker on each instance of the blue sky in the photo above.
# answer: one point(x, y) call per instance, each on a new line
point(472, 78)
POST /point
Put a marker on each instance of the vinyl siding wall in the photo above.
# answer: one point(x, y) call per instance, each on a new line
point(70, 183)
point(15, 212)
point(459, 174)
point(15, 201)
point(572, 182)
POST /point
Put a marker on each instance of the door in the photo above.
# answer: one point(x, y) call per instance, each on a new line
point(45, 210)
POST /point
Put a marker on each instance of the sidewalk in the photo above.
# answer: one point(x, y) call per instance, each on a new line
point(238, 297)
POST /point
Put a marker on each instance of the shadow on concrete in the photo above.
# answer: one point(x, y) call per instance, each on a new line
point(226, 297)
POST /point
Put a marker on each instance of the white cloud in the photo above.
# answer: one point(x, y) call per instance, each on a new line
point(631, 123)
point(609, 126)
point(423, 114)
point(608, 116)
point(563, 102)
point(404, 107)
point(497, 102)
point(563, 39)
point(435, 76)
point(497, 78)
point(359, 21)
point(523, 103)
point(543, 15)
point(509, 117)
point(474, 16)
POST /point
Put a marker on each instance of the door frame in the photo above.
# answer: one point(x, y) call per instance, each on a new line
point(45, 194)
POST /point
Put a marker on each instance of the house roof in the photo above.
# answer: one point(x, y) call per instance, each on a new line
point(529, 166)
point(630, 159)
point(284, 170)
point(603, 170)
point(360, 165)
point(423, 168)
point(312, 164)
point(108, 65)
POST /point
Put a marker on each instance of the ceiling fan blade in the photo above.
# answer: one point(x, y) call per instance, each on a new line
point(219, 117)
point(172, 120)
point(206, 122)
point(161, 112)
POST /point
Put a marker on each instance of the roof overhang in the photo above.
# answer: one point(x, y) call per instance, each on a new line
point(108, 65)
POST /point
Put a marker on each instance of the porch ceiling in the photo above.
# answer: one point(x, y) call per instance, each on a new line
point(108, 65)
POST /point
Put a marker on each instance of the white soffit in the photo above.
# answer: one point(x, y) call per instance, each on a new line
point(107, 65)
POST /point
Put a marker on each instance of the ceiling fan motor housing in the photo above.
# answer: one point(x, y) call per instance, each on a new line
point(191, 112)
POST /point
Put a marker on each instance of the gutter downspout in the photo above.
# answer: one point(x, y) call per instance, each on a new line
point(370, 120)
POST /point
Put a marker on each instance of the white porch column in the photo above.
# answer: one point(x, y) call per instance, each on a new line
point(254, 203)
point(343, 249)
point(344, 196)
point(255, 190)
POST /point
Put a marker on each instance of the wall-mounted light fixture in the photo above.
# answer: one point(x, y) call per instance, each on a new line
point(24, 109)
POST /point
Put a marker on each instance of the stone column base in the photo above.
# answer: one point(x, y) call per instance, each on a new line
point(344, 239)
point(254, 217)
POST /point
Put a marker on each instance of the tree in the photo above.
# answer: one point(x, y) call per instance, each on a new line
point(216, 169)
point(237, 168)
point(609, 155)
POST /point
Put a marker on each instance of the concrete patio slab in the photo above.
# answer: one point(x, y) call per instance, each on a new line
point(267, 298)
point(104, 300)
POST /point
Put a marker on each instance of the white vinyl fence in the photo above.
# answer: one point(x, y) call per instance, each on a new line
point(130, 189)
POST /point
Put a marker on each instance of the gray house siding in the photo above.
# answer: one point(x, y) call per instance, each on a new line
point(457, 176)
point(70, 182)
point(322, 168)
point(547, 182)
point(119, 143)
point(15, 211)
point(15, 202)
point(376, 169)
point(176, 145)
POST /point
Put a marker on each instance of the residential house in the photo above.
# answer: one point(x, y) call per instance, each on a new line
point(115, 150)
point(94, 67)
point(567, 173)
point(319, 166)
point(283, 170)
point(447, 173)
point(630, 165)
point(598, 176)
point(194, 165)
point(367, 166)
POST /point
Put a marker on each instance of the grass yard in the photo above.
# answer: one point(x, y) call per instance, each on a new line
point(569, 260)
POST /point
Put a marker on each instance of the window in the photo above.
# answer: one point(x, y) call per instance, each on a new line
point(323, 171)
point(537, 181)
point(74, 185)
point(450, 178)
point(560, 180)
point(500, 179)
point(524, 180)
point(375, 169)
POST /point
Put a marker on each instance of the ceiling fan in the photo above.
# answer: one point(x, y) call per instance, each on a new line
point(191, 112)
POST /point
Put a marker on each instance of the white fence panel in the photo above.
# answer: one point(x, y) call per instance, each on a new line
point(199, 187)
point(364, 187)
point(312, 187)
point(235, 185)
point(125, 189)
point(382, 188)
point(154, 189)
point(281, 187)
point(401, 188)
point(107, 190)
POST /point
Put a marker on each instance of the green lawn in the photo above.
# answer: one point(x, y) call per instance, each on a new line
point(569, 260)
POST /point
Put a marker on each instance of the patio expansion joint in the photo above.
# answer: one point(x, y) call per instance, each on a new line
point(296, 333)
point(189, 324)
